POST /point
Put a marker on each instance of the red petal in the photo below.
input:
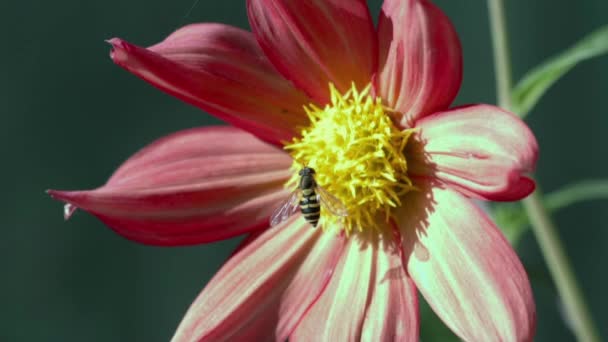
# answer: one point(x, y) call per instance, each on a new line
point(308, 283)
point(313, 43)
point(480, 150)
point(241, 302)
point(392, 314)
point(420, 60)
point(339, 314)
point(222, 70)
point(194, 186)
point(465, 268)
point(248, 298)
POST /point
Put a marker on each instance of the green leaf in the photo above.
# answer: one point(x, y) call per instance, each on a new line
point(512, 218)
point(537, 81)
point(577, 192)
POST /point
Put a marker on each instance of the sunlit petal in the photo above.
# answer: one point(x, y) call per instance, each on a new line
point(242, 300)
point(465, 268)
point(392, 314)
point(479, 150)
point(420, 60)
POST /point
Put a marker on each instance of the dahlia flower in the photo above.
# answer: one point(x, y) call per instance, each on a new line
point(317, 84)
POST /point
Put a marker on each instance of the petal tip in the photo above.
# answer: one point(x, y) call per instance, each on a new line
point(70, 197)
point(55, 194)
point(68, 208)
point(118, 53)
point(58, 194)
point(113, 41)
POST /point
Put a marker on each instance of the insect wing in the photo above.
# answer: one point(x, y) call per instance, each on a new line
point(286, 209)
point(334, 205)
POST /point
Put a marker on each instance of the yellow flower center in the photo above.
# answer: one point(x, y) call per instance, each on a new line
point(357, 155)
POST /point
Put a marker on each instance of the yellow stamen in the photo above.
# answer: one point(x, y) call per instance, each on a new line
point(357, 154)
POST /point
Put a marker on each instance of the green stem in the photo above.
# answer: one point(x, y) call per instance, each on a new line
point(500, 45)
point(544, 229)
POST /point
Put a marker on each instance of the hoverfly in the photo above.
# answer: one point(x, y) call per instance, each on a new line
point(308, 196)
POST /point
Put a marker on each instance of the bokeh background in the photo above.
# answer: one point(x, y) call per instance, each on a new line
point(70, 117)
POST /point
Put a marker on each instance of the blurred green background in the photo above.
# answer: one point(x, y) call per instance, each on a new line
point(70, 117)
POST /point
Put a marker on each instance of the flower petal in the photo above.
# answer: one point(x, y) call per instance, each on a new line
point(465, 268)
point(393, 311)
point(254, 296)
point(369, 284)
point(241, 302)
point(193, 186)
point(309, 283)
point(480, 150)
point(222, 70)
point(316, 42)
point(420, 60)
point(346, 296)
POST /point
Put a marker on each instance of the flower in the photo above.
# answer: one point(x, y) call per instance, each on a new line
point(317, 84)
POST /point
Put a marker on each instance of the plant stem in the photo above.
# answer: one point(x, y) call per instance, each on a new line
point(500, 45)
point(542, 225)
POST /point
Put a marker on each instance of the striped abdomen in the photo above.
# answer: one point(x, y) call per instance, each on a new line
point(309, 206)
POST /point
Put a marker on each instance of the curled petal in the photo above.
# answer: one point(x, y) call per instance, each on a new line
point(222, 70)
point(246, 300)
point(420, 59)
point(480, 150)
point(316, 42)
point(465, 268)
point(193, 186)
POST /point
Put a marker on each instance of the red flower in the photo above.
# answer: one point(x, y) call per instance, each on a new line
point(381, 139)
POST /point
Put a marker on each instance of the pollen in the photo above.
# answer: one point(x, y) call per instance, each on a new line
point(357, 154)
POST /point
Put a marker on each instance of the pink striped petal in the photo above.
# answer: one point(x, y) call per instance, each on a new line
point(193, 186)
point(465, 268)
point(264, 289)
point(340, 312)
point(480, 150)
point(309, 283)
point(392, 314)
point(316, 42)
point(242, 300)
point(420, 60)
point(222, 70)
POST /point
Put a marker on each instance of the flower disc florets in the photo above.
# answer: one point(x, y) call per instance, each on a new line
point(357, 154)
